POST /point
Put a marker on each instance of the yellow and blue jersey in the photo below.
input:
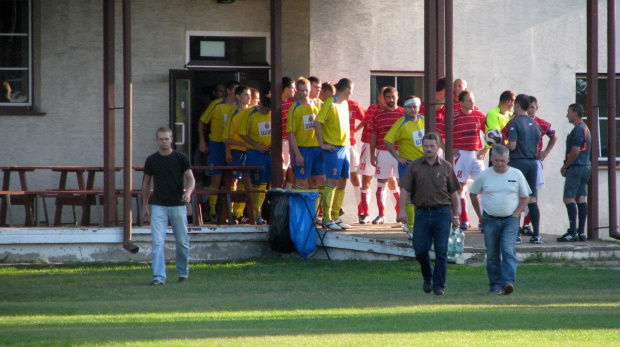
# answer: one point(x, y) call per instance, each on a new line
point(409, 136)
point(335, 119)
point(301, 123)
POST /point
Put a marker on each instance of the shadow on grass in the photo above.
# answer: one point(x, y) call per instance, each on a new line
point(102, 330)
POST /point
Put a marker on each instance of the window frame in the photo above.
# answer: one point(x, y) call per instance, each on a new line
point(603, 161)
point(395, 75)
point(23, 108)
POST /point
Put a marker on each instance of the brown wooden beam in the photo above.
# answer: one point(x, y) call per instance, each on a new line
point(276, 94)
point(430, 62)
point(109, 184)
point(611, 119)
point(127, 131)
point(449, 109)
point(592, 108)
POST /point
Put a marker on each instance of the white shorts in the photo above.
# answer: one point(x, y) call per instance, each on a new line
point(387, 165)
point(467, 165)
point(540, 176)
point(354, 159)
point(365, 167)
point(286, 155)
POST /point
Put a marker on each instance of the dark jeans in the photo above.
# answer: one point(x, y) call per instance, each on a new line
point(432, 227)
point(500, 237)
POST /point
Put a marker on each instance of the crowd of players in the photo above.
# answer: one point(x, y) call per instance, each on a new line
point(320, 153)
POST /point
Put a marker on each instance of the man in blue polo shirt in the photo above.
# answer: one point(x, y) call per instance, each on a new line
point(577, 169)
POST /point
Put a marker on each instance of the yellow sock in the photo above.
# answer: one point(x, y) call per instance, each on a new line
point(239, 206)
point(337, 204)
point(328, 198)
point(410, 209)
point(212, 201)
point(258, 198)
point(321, 189)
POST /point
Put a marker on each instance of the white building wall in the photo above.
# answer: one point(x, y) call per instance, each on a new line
point(530, 47)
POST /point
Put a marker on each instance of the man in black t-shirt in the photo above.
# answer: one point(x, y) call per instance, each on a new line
point(577, 170)
point(167, 168)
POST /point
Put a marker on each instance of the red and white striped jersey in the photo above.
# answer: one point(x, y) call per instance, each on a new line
point(467, 130)
point(356, 112)
point(545, 129)
point(371, 111)
point(383, 121)
point(285, 106)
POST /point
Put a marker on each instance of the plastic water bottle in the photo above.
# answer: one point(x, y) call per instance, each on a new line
point(456, 244)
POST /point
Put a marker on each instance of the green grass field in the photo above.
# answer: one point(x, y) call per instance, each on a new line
point(295, 302)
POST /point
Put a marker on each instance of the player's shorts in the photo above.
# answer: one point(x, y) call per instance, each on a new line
point(337, 162)
point(467, 165)
point(576, 183)
point(529, 169)
point(238, 159)
point(387, 165)
point(286, 155)
point(402, 169)
point(217, 156)
point(540, 176)
point(355, 159)
point(256, 158)
point(314, 165)
point(365, 167)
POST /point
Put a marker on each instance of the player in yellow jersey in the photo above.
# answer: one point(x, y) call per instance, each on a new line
point(315, 87)
point(307, 160)
point(499, 116)
point(408, 132)
point(235, 146)
point(257, 134)
point(217, 153)
point(327, 91)
point(333, 133)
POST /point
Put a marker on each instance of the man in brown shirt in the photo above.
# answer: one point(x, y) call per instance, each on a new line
point(431, 184)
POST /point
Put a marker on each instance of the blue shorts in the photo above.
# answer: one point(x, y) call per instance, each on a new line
point(313, 162)
point(239, 159)
point(256, 158)
point(217, 156)
point(337, 162)
point(529, 169)
point(402, 169)
point(576, 184)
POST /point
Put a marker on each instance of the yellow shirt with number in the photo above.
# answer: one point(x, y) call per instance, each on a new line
point(335, 119)
point(409, 136)
point(301, 123)
point(257, 127)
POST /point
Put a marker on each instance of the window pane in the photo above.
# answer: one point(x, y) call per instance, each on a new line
point(580, 96)
point(378, 82)
point(604, 139)
point(13, 17)
point(409, 86)
point(19, 81)
point(14, 52)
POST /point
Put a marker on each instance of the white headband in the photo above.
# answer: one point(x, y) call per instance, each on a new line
point(411, 101)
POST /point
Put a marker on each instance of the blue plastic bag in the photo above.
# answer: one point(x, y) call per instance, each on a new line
point(301, 220)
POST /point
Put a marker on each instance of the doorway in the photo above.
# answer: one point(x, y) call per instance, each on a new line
point(192, 90)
